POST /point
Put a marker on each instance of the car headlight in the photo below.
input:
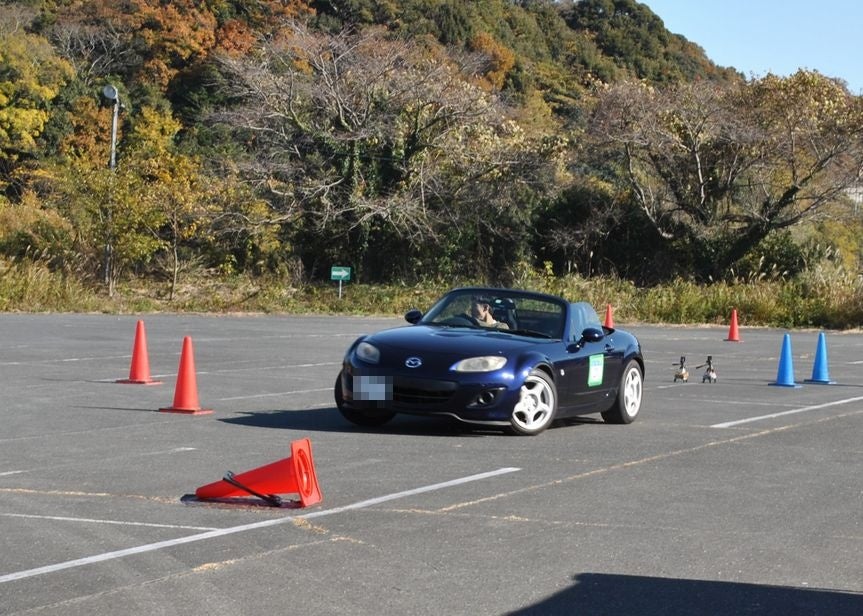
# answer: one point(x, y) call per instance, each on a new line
point(368, 353)
point(487, 363)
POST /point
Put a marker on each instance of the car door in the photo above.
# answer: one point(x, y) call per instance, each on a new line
point(591, 368)
point(587, 374)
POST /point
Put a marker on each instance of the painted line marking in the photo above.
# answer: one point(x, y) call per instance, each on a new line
point(89, 431)
point(150, 547)
point(126, 457)
point(738, 438)
point(170, 375)
point(35, 362)
point(278, 393)
point(279, 367)
point(805, 409)
point(96, 521)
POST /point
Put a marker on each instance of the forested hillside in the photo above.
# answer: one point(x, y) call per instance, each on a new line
point(410, 140)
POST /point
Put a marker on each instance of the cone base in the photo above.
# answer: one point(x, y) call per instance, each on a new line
point(732, 340)
point(172, 409)
point(233, 502)
point(138, 382)
point(820, 381)
point(794, 385)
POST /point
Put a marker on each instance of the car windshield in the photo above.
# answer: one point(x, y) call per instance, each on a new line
point(515, 312)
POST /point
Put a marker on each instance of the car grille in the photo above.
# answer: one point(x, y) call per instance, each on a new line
point(422, 391)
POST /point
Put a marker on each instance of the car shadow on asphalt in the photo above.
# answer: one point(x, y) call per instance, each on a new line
point(600, 593)
point(330, 420)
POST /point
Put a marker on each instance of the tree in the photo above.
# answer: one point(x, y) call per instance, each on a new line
point(115, 225)
point(364, 142)
point(176, 192)
point(716, 169)
point(633, 36)
point(31, 76)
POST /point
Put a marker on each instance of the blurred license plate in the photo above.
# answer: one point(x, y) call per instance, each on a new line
point(373, 388)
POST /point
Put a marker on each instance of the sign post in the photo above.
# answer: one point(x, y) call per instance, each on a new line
point(340, 273)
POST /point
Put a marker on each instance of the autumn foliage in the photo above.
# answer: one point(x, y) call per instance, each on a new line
point(410, 139)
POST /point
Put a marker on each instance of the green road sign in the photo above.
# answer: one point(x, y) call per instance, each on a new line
point(340, 272)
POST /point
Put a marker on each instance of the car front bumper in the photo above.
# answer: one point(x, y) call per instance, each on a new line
point(473, 398)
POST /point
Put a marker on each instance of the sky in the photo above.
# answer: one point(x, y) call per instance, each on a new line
point(757, 37)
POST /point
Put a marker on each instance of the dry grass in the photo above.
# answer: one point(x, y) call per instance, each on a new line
point(829, 299)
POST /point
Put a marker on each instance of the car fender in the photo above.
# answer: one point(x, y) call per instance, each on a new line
point(527, 362)
point(633, 351)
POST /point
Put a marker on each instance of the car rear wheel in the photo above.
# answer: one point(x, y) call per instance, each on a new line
point(367, 419)
point(628, 402)
point(536, 406)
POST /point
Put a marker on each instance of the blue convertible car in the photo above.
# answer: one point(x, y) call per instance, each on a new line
point(495, 357)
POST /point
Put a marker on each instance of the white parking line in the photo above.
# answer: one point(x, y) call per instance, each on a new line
point(805, 409)
point(150, 547)
point(278, 393)
point(96, 521)
point(125, 457)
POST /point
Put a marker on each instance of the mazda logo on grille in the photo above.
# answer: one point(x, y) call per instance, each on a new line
point(413, 362)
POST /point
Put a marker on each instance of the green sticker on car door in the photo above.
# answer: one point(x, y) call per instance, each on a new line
point(594, 375)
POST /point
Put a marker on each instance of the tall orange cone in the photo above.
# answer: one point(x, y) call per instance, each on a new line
point(295, 474)
point(609, 321)
point(139, 370)
point(733, 333)
point(186, 391)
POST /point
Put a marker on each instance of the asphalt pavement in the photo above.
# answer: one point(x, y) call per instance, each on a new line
point(735, 497)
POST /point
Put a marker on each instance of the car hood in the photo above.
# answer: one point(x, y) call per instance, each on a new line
point(457, 341)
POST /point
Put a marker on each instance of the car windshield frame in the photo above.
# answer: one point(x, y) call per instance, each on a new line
point(537, 314)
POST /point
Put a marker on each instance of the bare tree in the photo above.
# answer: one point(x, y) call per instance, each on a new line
point(718, 168)
point(358, 130)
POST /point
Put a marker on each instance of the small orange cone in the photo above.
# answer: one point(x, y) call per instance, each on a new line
point(139, 370)
point(733, 333)
point(609, 321)
point(186, 391)
point(293, 474)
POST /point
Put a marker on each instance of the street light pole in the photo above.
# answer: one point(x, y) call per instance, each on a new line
point(111, 94)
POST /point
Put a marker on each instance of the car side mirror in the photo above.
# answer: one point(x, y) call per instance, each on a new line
point(590, 334)
point(413, 316)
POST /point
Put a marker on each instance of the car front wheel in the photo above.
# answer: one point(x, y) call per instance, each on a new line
point(628, 402)
point(366, 419)
point(536, 405)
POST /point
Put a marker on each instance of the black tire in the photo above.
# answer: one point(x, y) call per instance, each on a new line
point(366, 419)
point(627, 404)
point(537, 405)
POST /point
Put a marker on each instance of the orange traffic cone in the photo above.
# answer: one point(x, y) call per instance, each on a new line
point(609, 321)
point(186, 391)
point(139, 371)
point(293, 474)
point(733, 334)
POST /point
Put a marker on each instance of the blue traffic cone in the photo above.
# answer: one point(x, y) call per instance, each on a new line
point(785, 375)
point(820, 373)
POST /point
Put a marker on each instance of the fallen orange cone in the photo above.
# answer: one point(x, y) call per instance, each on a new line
point(186, 391)
point(139, 370)
point(295, 474)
